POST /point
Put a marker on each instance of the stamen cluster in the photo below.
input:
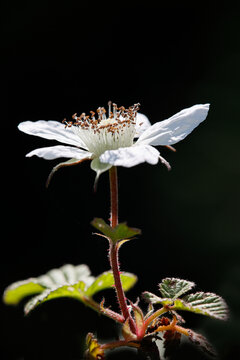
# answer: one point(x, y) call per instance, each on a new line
point(101, 133)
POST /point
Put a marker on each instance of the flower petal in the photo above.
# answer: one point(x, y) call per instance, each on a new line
point(176, 128)
point(142, 124)
point(59, 151)
point(131, 156)
point(52, 130)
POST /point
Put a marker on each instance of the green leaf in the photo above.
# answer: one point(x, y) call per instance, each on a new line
point(120, 232)
point(208, 304)
point(19, 290)
point(68, 281)
point(173, 288)
point(103, 227)
point(74, 291)
point(154, 299)
point(106, 281)
point(67, 274)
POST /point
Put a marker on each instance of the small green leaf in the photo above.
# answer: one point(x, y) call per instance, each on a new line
point(106, 281)
point(173, 288)
point(120, 232)
point(208, 304)
point(103, 227)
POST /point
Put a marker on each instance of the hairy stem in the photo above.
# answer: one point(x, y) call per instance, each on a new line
point(114, 196)
point(97, 307)
point(113, 250)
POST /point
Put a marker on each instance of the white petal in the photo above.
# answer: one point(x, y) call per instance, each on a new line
point(176, 128)
point(59, 151)
point(52, 130)
point(142, 124)
point(131, 156)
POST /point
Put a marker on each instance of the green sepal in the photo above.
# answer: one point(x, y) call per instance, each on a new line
point(100, 168)
point(127, 332)
point(139, 320)
point(120, 232)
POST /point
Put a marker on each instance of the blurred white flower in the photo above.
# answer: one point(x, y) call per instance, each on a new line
point(123, 138)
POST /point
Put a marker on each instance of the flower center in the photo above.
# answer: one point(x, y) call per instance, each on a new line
point(100, 133)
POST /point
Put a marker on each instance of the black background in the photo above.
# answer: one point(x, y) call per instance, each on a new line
point(59, 59)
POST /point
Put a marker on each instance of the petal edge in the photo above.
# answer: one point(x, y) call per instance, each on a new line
point(176, 128)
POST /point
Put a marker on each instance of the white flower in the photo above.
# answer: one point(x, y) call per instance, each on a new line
point(123, 138)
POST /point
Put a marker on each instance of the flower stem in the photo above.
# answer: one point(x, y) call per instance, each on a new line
point(114, 196)
point(113, 249)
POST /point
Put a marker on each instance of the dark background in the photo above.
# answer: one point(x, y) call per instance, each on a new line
point(61, 59)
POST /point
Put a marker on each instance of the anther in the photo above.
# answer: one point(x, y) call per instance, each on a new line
point(109, 108)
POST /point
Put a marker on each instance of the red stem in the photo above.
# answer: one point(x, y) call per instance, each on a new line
point(114, 196)
point(117, 280)
point(113, 250)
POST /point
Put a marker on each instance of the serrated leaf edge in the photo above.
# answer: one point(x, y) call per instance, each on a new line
point(184, 290)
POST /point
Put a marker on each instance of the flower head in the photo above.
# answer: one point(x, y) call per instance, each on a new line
point(123, 137)
point(106, 133)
